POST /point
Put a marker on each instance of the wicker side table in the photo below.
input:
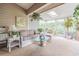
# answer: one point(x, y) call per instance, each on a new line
point(11, 42)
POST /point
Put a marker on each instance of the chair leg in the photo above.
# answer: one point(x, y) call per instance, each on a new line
point(19, 44)
point(9, 49)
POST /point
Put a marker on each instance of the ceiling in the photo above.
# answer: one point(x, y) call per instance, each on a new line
point(30, 7)
point(25, 5)
point(62, 11)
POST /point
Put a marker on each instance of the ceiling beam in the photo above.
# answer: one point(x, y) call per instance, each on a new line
point(34, 7)
point(48, 7)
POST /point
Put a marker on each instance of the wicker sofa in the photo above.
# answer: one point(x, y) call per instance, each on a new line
point(3, 36)
point(26, 37)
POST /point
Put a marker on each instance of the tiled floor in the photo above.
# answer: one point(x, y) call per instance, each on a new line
point(57, 47)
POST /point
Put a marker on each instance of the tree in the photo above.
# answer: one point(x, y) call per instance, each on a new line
point(68, 23)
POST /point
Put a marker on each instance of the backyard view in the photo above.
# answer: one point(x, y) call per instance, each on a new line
point(57, 27)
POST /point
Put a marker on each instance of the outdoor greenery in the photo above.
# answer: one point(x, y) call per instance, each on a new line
point(55, 27)
point(76, 16)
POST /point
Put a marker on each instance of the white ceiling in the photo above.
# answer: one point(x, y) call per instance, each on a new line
point(25, 5)
point(62, 11)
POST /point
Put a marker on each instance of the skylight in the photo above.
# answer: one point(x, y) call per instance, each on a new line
point(52, 13)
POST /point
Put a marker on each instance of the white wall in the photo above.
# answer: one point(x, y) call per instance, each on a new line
point(33, 25)
point(8, 12)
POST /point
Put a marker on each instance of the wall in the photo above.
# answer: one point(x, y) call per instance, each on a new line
point(33, 25)
point(8, 13)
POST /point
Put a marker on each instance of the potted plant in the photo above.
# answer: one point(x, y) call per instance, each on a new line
point(14, 34)
point(34, 20)
point(76, 16)
point(35, 17)
point(68, 23)
point(39, 30)
point(41, 36)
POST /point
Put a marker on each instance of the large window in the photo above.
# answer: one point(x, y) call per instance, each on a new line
point(57, 26)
